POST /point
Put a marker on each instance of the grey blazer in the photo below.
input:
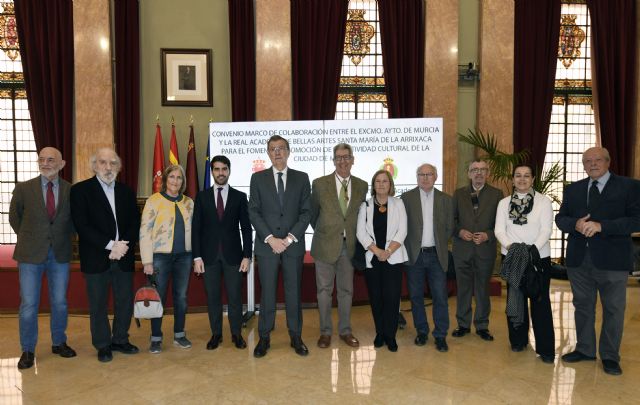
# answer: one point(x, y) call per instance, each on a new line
point(29, 219)
point(268, 218)
point(482, 220)
point(327, 219)
point(442, 224)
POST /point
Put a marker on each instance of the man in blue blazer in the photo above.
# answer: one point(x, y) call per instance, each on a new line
point(218, 216)
point(599, 213)
point(280, 213)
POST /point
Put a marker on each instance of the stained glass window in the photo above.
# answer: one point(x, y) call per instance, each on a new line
point(572, 129)
point(361, 94)
point(18, 157)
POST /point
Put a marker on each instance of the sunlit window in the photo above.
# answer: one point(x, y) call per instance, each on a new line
point(361, 94)
point(572, 129)
point(17, 147)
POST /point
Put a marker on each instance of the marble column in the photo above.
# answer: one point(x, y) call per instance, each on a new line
point(93, 82)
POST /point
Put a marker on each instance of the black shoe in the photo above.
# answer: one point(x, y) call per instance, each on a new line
point(126, 348)
point(105, 355)
point(402, 322)
point(262, 347)
point(421, 339)
point(392, 345)
point(441, 345)
point(517, 348)
point(485, 334)
point(611, 367)
point(299, 346)
point(214, 342)
point(575, 356)
point(547, 358)
point(63, 350)
point(378, 341)
point(26, 360)
point(460, 331)
point(238, 341)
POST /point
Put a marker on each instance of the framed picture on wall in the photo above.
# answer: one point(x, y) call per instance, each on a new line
point(186, 77)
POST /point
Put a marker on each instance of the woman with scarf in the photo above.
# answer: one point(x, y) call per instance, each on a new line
point(526, 217)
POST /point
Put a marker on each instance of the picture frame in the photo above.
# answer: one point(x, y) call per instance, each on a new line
point(186, 78)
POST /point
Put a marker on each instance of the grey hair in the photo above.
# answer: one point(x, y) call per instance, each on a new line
point(94, 158)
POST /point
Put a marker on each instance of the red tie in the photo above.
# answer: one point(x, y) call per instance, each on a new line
point(220, 204)
point(51, 201)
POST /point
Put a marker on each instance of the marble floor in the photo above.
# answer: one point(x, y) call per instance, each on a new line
point(472, 372)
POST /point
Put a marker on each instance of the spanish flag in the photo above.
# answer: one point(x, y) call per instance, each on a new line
point(173, 147)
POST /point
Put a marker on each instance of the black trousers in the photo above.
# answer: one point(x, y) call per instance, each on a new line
point(541, 319)
point(121, 283)
point(213, 274)
point(384, 284)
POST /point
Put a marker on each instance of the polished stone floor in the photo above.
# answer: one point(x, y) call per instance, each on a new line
point(472, 372)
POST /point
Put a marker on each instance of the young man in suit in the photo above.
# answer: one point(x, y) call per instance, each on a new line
point(599, 213)
point(219, 214)
point(40, 215)
point(107, 220)
point(335, 200)
point(279, 212)
point(429, 228)
point(474, 249)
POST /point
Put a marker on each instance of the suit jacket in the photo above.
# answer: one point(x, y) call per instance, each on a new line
point(442, 224)
point(481, 220)
point(36, 233)
point(269, 219)
point(327, 219)
point(96, 226)
point(396, 229)
point(618, 211)
point(208, 231)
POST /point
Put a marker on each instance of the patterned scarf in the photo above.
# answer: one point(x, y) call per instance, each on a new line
point(520, 207)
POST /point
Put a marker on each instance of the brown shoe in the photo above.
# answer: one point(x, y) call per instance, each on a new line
point(350, 340)
point(324, 341)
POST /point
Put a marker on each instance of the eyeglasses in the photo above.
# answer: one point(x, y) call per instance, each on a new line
point(476, 170)
point(425, 175)
point(277, 149)
point(344, 158)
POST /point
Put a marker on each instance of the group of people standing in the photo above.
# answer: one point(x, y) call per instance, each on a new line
point(410, 234)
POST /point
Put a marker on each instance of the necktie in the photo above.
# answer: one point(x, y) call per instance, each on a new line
point(594, 195)
point(280, 189)
point(343, 198)
point(51, 201)
point(220, 204)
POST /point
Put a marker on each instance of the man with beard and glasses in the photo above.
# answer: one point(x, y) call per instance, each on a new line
point(220, 215)
point(107, 220)
point(40, 215)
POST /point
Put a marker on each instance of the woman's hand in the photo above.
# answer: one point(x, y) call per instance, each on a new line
point(148, 269)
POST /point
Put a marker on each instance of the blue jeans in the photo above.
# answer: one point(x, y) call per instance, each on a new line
point(178, 267)
point(30, 284)
point(427, 265)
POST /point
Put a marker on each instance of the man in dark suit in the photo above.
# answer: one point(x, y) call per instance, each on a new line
point(474, 249)
point(40, 215)
point(429, 228)
point(279, 212)
point(599, 213)
point(335, 200)
point(107, 220)
point(219, 214)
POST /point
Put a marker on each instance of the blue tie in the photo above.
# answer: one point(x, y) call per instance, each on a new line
point(280, 190)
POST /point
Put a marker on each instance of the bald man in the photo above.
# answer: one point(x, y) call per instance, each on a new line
point(40, 216)
point(599, 213)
